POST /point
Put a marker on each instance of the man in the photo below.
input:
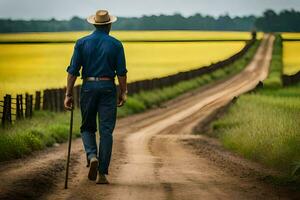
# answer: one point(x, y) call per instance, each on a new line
point(101, 58)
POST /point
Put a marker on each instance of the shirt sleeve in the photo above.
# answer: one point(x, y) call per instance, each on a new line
point(121, 62)
point(76, 62)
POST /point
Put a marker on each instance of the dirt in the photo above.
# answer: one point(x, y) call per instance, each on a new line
point(156, 155)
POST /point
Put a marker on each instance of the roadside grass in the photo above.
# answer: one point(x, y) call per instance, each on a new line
point(48, 128)
point(43, 130)
point(274, 78)
point(264, 126)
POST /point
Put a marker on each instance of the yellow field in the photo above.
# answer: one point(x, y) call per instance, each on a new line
point(129, 35)
point(30, 67)
point(291, 58)
point(290, 35)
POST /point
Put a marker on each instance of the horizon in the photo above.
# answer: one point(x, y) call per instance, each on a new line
point(35, 10)
point(161, 14)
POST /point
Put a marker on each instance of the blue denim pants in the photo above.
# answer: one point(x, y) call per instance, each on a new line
point(98, 98)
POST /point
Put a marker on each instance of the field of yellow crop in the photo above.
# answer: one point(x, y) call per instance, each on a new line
point(131, 35)
point(291, 58)
point(30, 67)
point(290, 35)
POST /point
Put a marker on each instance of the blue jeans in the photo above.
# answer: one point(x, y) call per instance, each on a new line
point(98, 98)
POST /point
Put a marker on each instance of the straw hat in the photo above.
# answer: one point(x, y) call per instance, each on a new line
point(101, 17)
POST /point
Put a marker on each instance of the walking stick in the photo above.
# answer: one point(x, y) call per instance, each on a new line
point(69, 149)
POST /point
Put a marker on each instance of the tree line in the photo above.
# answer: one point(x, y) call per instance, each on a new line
point(270, 21)
point(285, 21)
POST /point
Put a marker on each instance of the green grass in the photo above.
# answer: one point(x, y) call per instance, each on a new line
point(47, 128)
point(264, 126)
point(43, 130)
point(274, 78)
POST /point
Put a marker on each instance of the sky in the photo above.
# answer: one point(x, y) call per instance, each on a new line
point(65, 9)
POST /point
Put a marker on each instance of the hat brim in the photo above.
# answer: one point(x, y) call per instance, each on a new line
point(91, 20)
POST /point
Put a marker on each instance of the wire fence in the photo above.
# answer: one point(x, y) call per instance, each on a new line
point(23, 106)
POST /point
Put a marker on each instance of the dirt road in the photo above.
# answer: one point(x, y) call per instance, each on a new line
point(155, 154)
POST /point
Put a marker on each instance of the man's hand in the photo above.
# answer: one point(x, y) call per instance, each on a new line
point(122, 97)
point(68, 102)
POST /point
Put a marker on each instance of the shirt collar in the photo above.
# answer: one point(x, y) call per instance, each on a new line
point(98, 31)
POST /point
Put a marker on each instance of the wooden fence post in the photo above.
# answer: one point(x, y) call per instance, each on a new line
point(37, 104)
point(9, 119)
point(55, 96)
point(52, 99)
point(6, 115)
point(28, 104)
point(19, 107)
point(58, 100)
point(45, 100)
point(61, 99)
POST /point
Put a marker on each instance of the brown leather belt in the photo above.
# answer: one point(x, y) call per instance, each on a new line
point(98, 79)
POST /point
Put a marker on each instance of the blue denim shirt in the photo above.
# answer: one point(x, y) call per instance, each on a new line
point(99, 55)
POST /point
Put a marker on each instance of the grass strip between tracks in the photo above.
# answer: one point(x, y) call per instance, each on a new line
point(264, 126)
point(48, 128)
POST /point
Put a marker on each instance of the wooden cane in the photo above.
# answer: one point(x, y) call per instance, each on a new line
point(69, 150)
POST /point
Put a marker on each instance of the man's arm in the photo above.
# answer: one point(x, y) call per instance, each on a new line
point(73, 71)
point(123, 90)
point(71, 79)
point(122, 77)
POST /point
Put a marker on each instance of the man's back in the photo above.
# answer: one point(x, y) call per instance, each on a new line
point(100, 55)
